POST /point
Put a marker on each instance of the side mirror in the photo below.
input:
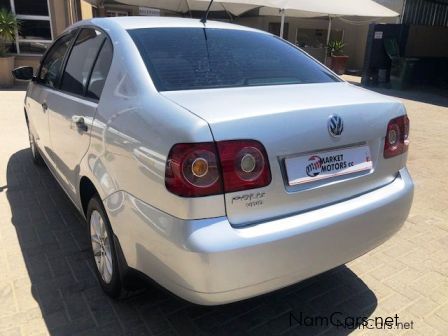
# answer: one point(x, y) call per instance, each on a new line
point(23, 73)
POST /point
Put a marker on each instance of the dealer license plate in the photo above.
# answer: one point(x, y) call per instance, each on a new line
point(323, 165)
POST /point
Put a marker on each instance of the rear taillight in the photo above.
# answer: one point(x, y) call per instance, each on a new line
point(244, 165)
point(397, 137)
point(205, 169)
point(192, 170)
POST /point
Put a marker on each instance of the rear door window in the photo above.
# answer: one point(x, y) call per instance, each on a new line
point(198, 58)
point(80, 62)
point(100, 71)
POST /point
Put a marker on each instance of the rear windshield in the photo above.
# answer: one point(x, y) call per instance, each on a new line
point(196, 58)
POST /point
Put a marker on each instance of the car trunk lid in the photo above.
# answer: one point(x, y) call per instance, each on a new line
point(292, 122)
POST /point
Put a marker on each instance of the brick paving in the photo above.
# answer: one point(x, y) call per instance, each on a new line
point(47, 286)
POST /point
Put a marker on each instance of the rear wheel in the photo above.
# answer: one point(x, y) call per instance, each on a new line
point(103, 248)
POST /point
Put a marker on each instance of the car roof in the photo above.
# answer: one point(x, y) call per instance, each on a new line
point(138, 22)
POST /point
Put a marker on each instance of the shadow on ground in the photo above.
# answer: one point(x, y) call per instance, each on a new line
point(424, 94)
point(54, 243)
point(431, 96)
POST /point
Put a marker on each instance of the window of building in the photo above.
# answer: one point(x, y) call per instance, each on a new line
point(6, 4)
point(35, 34)
point(116, 13)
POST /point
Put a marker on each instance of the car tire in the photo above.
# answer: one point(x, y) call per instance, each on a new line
point(103, 250)
point(37, 158)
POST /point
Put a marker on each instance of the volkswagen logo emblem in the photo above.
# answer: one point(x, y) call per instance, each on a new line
point(335, 125)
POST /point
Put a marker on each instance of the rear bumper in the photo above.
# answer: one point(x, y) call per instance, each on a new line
point(210, 262)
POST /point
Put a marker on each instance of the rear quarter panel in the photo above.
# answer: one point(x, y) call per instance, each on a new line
point(132, 133)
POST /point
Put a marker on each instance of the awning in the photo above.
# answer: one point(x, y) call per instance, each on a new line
point(183, 6)
point(314, 8)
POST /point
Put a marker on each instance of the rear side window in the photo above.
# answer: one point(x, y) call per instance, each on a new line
point(100, 71)
point(197, 58)
point(81, 60)
point(52, 64)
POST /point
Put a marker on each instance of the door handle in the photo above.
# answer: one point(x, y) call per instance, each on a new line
point(44, 107)
point(80, 122)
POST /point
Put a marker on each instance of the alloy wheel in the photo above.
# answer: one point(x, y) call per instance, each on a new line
point(101, 246)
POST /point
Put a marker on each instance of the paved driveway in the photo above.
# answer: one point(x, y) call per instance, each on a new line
point(47, 285)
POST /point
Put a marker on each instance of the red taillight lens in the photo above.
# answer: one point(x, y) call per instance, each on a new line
point(192, 170)
point(244, 165)
point(397, 137)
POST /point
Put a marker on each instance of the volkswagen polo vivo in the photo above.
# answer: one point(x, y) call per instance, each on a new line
point(218, 160)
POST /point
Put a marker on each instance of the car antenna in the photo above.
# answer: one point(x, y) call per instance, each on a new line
point(205, 17)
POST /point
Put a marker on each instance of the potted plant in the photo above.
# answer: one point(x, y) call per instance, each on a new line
point(8, 26)
point(335, 50)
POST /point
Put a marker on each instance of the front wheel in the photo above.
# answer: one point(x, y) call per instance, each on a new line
point(103, 248)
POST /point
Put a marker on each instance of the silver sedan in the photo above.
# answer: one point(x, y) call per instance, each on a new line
point(218, 160)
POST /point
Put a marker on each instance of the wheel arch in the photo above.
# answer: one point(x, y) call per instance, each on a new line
point(86, 191)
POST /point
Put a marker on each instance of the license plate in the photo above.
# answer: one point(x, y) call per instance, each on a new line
point(323, 165)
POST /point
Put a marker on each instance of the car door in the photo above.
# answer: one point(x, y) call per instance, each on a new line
point(45, 83)
point(73, 107)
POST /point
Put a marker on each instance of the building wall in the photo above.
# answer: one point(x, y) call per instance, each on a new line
point(86, 10)
point(355, 38)
point(33, 61)
point(59, 16)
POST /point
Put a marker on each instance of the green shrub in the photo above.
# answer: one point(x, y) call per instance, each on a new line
point(336, 48)
point(8, 26)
